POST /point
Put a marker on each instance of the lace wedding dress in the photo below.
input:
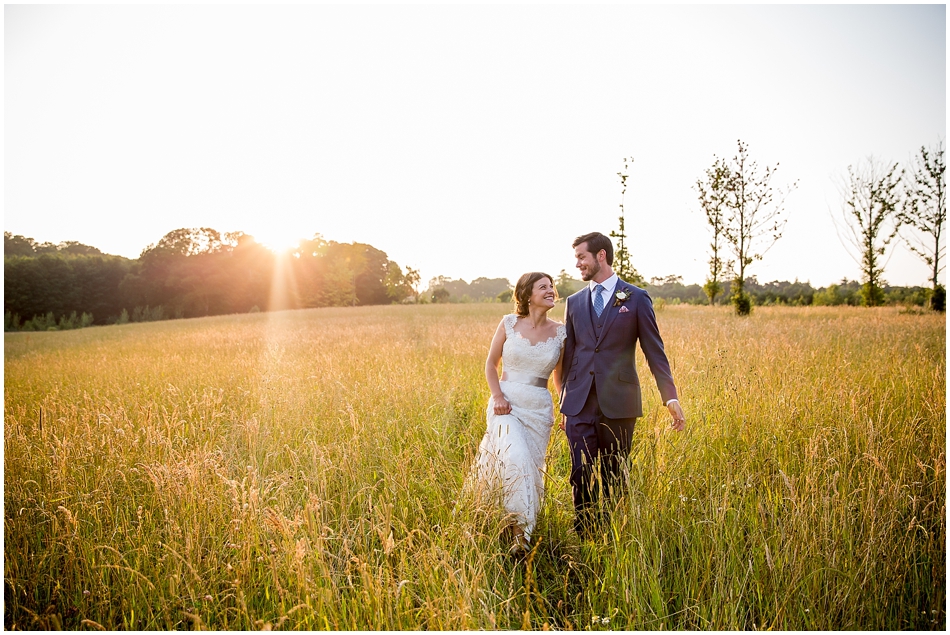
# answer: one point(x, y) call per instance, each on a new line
point(510, 463)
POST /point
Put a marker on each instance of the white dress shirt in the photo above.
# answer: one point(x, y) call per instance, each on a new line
point(609, 285)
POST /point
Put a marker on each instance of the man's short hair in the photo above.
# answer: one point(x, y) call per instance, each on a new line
point(595, 242)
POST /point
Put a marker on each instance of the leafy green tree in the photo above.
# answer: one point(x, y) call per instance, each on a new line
point(623, 265)
point(925, 211)
point(870, 220)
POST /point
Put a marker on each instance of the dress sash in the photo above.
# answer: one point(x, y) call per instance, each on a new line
point(524, 378)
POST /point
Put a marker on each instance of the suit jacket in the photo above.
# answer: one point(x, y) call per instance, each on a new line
point(607, 355)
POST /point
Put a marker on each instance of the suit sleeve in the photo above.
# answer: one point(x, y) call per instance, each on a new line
point(652, 345)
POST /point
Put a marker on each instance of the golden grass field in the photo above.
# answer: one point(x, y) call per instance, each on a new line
point(299, 470)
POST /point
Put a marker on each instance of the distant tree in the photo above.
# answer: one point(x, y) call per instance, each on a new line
point(440, 295)
point(396, 287)
point(17, 245)
point(479, 290)
point(63, 284)
point(656, 281)
point(179, 272)
point(71, 247)
point(925, 210)
point(505, 296)
point(871, 198)
point(671, 288)
point(753, 217)
point(188, 242)
point(712, 200)
point(412, 280)
point(622, 262)
point(566, 285)
point(487, 289)
point(370, 268)
point(401, 286)
point(23, 246)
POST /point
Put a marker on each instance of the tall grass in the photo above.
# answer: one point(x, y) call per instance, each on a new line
point(299, 470)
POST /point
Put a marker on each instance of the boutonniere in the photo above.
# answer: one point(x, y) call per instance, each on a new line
point(621, 296)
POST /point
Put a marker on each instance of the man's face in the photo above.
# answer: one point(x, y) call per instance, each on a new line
point(586, 262)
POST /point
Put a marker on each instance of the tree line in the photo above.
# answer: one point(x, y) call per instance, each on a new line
point(190, 273)
point(846, 292)
point(671, 289)
point(880, 202)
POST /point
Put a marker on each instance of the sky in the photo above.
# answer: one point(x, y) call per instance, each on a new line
point(464, 141)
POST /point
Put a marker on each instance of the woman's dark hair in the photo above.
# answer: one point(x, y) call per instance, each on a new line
point(524, 288)
point(595, 242)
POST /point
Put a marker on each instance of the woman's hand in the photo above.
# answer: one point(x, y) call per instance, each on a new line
point(502, 407)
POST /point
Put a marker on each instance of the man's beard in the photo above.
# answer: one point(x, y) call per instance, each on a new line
point(591, 272)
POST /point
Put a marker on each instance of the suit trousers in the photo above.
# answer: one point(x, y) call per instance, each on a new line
point(598, 447)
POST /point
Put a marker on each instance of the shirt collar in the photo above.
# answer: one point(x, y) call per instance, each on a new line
point(609, 284)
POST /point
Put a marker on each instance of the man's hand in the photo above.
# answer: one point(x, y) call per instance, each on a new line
point(679, 419)
point(561, 425)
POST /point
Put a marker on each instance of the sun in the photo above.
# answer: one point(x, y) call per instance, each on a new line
point(276, 240)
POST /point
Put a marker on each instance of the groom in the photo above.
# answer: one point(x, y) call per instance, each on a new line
point(600, 396)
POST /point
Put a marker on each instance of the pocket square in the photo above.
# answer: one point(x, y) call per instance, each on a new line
point(624, 309)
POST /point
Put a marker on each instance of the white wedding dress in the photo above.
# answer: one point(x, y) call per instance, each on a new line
point(510, 463)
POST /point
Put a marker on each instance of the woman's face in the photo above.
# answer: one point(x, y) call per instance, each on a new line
point(543, 293)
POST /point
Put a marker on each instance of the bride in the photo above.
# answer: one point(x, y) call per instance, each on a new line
point(510, 462)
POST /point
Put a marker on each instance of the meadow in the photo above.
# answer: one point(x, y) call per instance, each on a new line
point(302, 470)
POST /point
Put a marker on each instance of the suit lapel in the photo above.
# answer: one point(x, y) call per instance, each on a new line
point(613, 311)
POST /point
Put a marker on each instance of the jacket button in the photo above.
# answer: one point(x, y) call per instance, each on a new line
point(596, 350)
point(591, 372)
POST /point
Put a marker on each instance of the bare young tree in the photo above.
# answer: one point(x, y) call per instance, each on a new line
point(924, 213)
point(871, 196)
point(412, 279)
point(622, 262)
point(752, 216)
point(712, 200)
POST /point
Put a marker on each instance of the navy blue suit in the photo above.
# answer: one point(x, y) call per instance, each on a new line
point(601, 390)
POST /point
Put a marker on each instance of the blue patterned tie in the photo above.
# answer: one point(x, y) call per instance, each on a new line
point(598, 299)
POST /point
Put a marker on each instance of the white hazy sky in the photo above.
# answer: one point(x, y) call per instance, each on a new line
point(464, 141)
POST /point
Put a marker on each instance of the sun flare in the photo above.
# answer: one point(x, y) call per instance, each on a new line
point(278, 241)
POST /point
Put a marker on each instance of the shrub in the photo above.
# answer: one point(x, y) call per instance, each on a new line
point(742, 302)
point(938, 301)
